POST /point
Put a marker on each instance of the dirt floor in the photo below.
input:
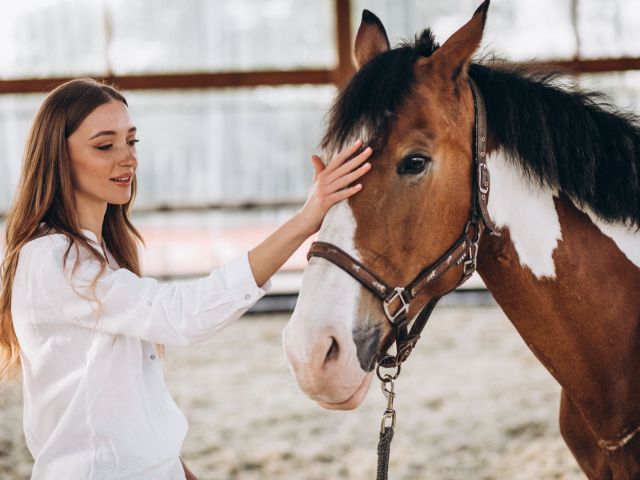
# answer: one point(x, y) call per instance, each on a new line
point(473, 403)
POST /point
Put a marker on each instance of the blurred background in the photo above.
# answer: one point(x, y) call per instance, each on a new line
point(229, 98)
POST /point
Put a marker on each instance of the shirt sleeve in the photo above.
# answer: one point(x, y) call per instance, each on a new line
point(171, 313)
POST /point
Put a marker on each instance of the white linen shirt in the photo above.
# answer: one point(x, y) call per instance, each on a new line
point(95, 401)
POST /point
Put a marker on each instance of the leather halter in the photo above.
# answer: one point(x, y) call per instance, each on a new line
point(396, 301)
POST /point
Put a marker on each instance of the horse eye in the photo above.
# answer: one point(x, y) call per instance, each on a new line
point(412, 165)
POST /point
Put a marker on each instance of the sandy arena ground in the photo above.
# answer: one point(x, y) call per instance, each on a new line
point(473, 403)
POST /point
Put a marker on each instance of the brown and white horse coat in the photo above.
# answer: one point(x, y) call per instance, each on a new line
point(565, 196)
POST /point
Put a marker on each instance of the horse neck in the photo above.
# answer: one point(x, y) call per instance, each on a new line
point(571, 293)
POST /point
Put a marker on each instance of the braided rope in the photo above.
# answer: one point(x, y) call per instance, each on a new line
point(384, 448)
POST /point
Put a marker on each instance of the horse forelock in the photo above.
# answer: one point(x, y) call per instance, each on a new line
point(371, 99)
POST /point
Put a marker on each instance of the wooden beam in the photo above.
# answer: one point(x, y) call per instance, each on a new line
point(598, 65)
point(182, 81)
point(185, 81)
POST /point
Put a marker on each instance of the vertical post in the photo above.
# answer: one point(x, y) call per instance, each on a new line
point(345, 67)
point(575, 76)
point(576, 30)
point(108, 31)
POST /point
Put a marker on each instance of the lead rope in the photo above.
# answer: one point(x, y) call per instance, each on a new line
point(388, 422)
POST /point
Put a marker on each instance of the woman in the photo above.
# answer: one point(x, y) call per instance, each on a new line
point(77, 317)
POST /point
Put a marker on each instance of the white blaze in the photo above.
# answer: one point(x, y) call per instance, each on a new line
point(328, 297)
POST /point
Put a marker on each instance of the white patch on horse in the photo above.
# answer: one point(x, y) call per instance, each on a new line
point(527, 211)
point(339, 229)
point(329, 297)
point(626, 237)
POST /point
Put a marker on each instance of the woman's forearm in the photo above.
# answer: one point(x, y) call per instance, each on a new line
point(267, 257)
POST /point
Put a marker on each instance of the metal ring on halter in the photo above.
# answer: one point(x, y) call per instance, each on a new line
point(388, 377)
point(478, 231)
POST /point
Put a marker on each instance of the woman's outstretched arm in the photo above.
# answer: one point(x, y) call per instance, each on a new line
point(328, 188)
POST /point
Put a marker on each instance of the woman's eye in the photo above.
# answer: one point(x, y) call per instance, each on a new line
point(413, 164)
point(131, 143)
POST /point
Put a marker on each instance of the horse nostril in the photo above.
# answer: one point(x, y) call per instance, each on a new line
point(333, 351)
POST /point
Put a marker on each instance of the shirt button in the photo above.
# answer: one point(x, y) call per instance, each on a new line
point(247, 297)
point(153, 357)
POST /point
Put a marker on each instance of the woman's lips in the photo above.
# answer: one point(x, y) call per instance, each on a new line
point(120, 183)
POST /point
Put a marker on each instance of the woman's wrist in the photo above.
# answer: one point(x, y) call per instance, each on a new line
point(301, 227)
point(268, 256)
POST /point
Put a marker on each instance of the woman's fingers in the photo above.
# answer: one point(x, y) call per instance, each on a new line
point(343, 155)
point(344, 194)
point(334, 182)
point(318, 165)
point(349, 166)
point(341, 182)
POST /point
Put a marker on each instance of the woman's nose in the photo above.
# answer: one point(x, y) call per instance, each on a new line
point(130, 158)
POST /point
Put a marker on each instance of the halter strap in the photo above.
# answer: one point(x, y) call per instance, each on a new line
point(396, 301)
point(482, 185)
point(457, 254)
point(353, 267)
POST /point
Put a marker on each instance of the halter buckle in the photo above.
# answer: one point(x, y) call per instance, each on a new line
point(399, 293)
point(483, 178)
point(476, 224)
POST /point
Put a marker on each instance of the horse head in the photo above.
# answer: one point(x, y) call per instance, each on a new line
point(415, 107)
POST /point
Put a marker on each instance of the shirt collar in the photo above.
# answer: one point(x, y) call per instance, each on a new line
point(89, 234)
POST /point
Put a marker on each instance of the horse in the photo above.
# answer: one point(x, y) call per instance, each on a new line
point(555, 240)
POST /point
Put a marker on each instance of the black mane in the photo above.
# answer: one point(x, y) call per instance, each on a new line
point(571, 140)
point(562, 138)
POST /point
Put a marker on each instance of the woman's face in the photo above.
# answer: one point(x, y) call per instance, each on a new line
point(102, 149)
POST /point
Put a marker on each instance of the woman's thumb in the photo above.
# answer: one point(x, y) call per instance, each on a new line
point(317, 164)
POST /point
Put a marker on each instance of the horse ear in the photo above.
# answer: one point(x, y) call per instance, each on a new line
point(455, 55)
point(371, 39)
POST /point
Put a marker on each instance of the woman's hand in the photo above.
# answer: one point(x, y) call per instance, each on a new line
point(329, 184)
point(329, 187)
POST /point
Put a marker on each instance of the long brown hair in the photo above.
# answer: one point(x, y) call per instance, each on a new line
point(44, 201)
